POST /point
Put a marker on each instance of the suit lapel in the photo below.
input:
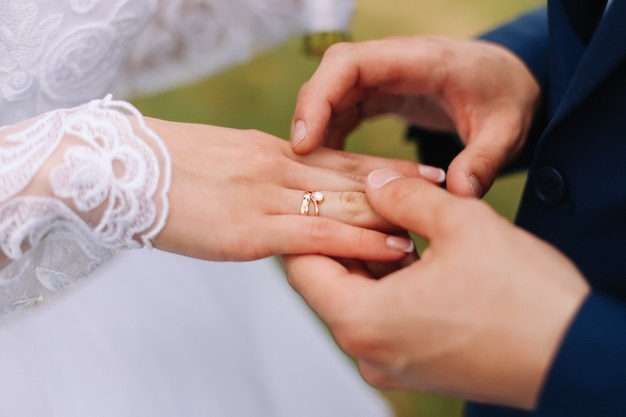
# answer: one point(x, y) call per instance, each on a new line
point(605, 52)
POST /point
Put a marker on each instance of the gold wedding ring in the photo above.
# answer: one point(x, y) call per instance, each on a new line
point(306, 203)
point(315, 197)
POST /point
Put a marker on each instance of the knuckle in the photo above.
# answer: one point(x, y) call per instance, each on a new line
point(338, 50)
point(375, 377)
point(353, 203)
point(255, 133)
point(489, 164)
point(265, 159)
point(304, 89)
point(457, 218)
point(321, 229)
point(261, 156)
point(357, 339)
point(401, 193)
point(349, 161)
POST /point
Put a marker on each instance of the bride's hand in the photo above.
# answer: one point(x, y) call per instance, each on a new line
point(237, 194)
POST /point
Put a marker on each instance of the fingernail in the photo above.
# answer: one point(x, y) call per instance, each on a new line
point(383, 176)
point(401, 243)
point(299, 132)
point(474, 184)
point(432, 173)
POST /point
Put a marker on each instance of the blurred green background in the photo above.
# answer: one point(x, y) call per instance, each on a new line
point(261, 95)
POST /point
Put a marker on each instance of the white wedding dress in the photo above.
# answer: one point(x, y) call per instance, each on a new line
point(147, 333)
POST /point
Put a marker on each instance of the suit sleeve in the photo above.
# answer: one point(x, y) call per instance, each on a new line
point(527, 37)
point(587, 377)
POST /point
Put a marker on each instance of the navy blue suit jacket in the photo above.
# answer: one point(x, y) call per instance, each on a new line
point(575, 196)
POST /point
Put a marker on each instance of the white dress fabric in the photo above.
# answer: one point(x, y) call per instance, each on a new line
point(147, 333)
point(152, 334)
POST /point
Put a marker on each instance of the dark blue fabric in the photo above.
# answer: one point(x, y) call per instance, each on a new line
point(584, 87)
point(581, 134)
point(584, 16)
point(586, 380)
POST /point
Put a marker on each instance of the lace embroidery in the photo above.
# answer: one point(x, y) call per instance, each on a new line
point(87, 59)
point(109, 177)
point(27, 152)
point(63, 250)
point(83, 6)
point(22, 41)
point(52, 59)
point(63, 53)
point(188, 39)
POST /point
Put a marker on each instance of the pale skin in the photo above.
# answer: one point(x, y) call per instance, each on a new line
point(235, 195)
point(481, 315)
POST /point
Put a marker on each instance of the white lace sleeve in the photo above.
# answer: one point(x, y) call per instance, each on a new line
point(187, 40)
point(76, 185)
point(79, 184)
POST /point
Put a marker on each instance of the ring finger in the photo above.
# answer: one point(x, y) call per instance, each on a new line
point(349, 207)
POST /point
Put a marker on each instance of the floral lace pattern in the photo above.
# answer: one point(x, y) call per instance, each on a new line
point(215, 34)
point(106, 167)
point(106, 173)
point(66, 52)
point(89, 177)
point(48, 59)
point(22, 42)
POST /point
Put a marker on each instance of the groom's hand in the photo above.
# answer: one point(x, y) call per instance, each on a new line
point(479, 316)
point(479, 90)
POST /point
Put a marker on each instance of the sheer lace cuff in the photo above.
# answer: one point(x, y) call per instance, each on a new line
point(76, 186)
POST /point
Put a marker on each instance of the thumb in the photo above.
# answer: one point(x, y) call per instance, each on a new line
point(411, 203)
point(310, 120)
point(473, 171)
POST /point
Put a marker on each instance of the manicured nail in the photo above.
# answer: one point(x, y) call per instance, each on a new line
point(432, 173)
point(474, 184)
point(383, 176)
point(299, 132)
point(401, 243)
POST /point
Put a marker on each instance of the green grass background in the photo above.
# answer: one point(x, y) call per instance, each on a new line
point(262, 94)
